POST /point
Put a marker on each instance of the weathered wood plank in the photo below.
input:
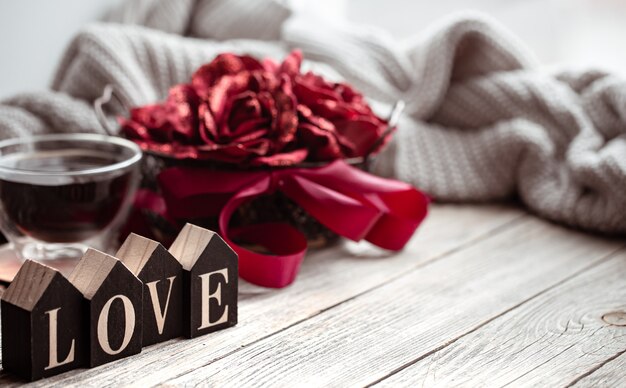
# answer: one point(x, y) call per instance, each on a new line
point(563, 333)
point(327, 278)
point(369, 337)
point(612, 373)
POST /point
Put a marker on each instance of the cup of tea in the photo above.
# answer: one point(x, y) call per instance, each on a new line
point(61, 193)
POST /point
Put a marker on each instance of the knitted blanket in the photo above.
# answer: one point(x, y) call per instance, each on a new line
point(481, 124)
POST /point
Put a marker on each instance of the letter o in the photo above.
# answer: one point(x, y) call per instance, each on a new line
point(103, 325)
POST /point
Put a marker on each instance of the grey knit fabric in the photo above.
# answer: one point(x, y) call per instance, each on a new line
point(482, 122)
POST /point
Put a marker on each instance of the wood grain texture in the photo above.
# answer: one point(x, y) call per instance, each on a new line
point(613, 372)
point(549, 341)
point(327, 278)
point(29, 285)
point(367, 338)
point(189, 244)
point(91, 271)
point(136, 252)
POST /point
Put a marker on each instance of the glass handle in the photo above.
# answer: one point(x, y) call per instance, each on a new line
point(107, 95)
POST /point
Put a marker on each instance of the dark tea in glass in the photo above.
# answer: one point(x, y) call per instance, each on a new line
point(59, 191)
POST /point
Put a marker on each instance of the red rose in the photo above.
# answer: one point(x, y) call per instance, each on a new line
point(239, 110)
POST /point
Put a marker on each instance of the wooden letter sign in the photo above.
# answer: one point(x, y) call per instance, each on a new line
point(210, 274)
point(162, 277)
point(42, 323)
point(108, 309)
point(114, 306)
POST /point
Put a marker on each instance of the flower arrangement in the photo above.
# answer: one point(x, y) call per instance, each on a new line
point(239, 110)
point(258, 150)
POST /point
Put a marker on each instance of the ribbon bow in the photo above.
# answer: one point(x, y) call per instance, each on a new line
point(348, 201)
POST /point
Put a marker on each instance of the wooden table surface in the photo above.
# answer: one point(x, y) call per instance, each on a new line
point(482, 296)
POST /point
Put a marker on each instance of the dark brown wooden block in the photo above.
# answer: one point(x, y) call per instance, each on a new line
point(43, 328)
point(210, 274)
point(162, 277)
point(114, 307)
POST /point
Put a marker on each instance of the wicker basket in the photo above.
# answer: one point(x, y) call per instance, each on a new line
point(275, 207)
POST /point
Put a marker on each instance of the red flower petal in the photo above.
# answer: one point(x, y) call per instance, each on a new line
point(270, 65)
point(149, 122)
point(208, 126)
point(235, 152)
point(322, 145)
point(245, 128)
point(224, 64)
point(227, 86)
point(181, 108)
point(281, 160)
point(346, 143)
point(286, 119)
point(291, 64)
point(363, 133)
point(334, 110)
point(133, 130)
point(308, 93)
point(243, 107)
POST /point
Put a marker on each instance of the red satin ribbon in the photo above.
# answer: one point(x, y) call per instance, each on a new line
point(348, 201)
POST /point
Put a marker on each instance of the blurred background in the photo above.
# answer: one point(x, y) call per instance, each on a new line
point(570, 33)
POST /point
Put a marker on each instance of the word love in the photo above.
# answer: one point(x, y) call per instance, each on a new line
point(110, 307)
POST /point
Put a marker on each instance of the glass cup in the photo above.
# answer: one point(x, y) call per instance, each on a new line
point(60, 194)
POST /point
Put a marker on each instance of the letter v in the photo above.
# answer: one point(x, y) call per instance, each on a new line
point(156, 305)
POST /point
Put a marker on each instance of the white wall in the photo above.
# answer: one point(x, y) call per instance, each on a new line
point(34, 33)
point(581, 33)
